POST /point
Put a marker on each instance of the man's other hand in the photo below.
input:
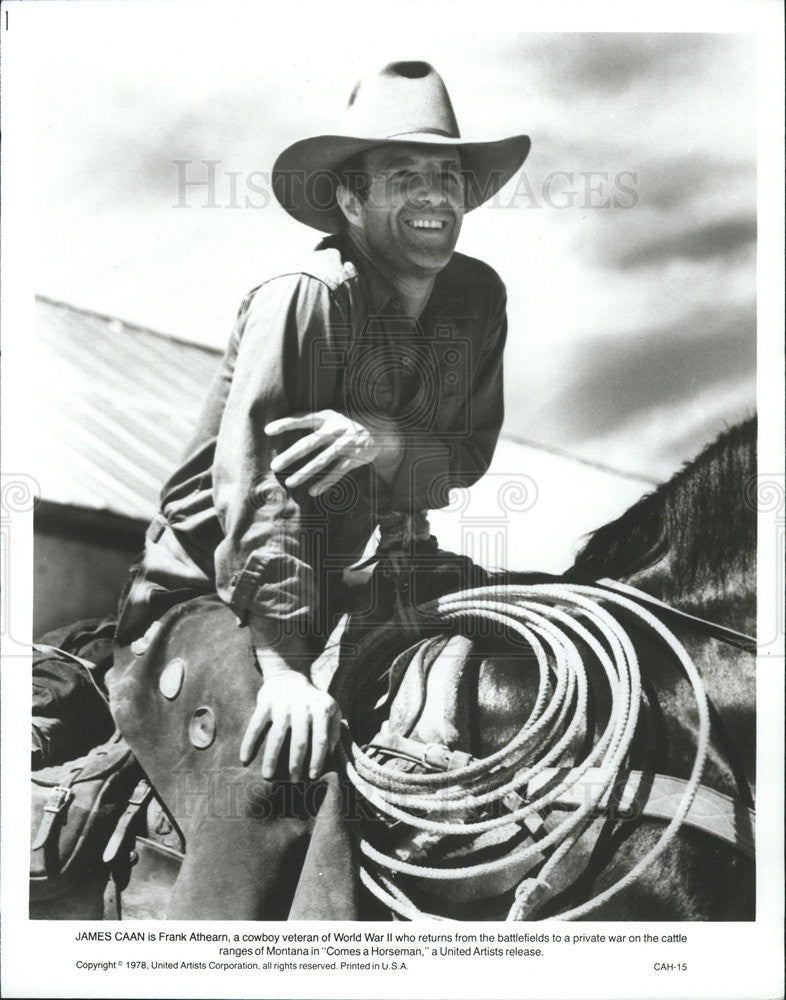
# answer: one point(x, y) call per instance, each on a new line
point(343, 444)
point(288, 702)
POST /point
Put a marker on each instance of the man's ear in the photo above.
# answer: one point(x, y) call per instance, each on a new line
point(349, 204)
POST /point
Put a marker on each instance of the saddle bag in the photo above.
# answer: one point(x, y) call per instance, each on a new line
point(83, 816)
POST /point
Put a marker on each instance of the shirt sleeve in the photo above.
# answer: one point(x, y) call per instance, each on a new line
point(263, 570)
point(433, 463)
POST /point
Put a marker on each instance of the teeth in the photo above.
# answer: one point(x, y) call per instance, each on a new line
point(426, 224)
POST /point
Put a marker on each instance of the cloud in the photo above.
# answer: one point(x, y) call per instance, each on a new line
point(661, 440)
point(612, 63)
point(682, 208)
point(723, 238)
point(666, 184)
point(123, 148)
point(644, 103)
point(622, 379)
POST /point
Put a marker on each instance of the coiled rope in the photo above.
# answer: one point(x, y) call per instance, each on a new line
point(551, 618)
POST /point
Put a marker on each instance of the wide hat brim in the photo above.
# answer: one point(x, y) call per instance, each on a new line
point(305, 175)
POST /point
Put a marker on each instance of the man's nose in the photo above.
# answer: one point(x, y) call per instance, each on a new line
point(431, 188)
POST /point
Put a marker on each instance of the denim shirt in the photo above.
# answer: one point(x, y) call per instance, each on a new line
point(334, 335)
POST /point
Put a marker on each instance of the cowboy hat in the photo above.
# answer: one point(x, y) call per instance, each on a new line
point(405, 102)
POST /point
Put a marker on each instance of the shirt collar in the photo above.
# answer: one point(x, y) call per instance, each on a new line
point(383, 296)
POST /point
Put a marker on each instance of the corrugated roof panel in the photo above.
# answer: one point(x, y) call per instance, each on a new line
point(118, 405)
point(126, 366)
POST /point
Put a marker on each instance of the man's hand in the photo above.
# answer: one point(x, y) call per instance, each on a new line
point(342, 443)
point(288, 702)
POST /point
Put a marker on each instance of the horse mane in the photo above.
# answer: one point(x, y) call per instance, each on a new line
point(704, 517)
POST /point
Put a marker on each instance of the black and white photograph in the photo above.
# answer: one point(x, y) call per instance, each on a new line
point(392, 502)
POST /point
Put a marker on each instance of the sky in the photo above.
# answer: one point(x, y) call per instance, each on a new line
point(627, 244)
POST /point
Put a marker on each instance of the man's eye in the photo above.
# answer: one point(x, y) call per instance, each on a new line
point(404, 175)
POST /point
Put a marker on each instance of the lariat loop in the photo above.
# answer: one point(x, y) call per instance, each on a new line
point(556, 620)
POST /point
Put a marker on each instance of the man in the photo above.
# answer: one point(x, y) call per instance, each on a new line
point(357, 388)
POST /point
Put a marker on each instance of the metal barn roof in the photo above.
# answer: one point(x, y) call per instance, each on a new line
point(116, 405)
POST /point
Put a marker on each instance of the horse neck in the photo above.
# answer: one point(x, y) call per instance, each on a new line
point(731, 602)
point(728, 673)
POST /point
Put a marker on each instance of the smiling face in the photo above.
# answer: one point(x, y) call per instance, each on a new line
point(410, 218)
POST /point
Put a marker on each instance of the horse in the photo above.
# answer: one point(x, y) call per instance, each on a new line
point(443, 690)
point(690, 546)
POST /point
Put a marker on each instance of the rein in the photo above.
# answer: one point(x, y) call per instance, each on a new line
point(524, 777)
point(721, 632)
